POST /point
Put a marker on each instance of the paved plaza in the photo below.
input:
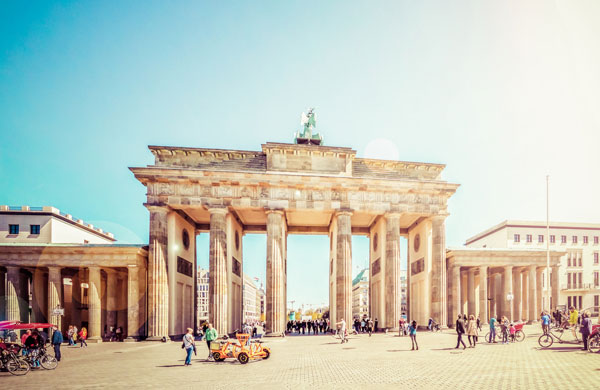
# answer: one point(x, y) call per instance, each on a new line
point(319, 362)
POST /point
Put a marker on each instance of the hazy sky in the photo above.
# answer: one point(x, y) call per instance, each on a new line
point(503, 92)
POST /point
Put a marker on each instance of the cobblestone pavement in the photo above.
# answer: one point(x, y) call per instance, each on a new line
point(320, 362)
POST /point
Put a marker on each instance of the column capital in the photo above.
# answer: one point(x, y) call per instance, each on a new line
point(392, 214)
point(347, 212)
point(54, 268)
point(483, 268)
point(439, 217)
point(218, 210)
point(93, 268)
point(157, 208)
point(472, 270)
point(274, 211)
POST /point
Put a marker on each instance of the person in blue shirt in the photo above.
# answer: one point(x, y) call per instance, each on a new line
point(57, 340)
point(545, 322)
point(492, 330)
point(412, 331)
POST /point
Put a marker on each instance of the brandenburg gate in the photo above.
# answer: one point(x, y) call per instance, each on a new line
point(291, 189)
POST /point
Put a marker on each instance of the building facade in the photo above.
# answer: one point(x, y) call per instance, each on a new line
point(360, 295)
point(251, 309)
point(56, 268)
point(202, 296)
point(579, 268)
point(403, 295)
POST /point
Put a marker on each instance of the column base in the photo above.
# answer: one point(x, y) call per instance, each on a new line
point(131, 339)
point(274, 334)
point(94, 340)
point(158, 338)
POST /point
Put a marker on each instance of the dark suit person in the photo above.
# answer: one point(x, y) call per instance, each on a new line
point(460, 330)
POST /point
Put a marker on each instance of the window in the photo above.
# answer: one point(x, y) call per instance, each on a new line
point(34, 229)
point(541, 238)
point(580, 262)
point(596, 240)
point(569, 261)
point(574, 239)
point(552, 239)
point(596, 300)
point(529, 239)
point(13, 229)
point(517, 238)
point(580, 305)
point(585, 239)
point(569, 281)
point(569, 302)
point(563, 239)
point(595, 257)
point(596, 278)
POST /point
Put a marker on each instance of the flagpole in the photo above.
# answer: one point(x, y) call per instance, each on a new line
point(548, 294)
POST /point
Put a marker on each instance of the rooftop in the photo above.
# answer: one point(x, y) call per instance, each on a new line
point(53, 211)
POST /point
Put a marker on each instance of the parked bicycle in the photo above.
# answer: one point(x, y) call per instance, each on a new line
point(47, 361)
point(12, 362)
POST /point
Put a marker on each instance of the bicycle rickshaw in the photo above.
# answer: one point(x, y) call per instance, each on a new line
point(519, 333)
point(11, 350)
point(243, 350)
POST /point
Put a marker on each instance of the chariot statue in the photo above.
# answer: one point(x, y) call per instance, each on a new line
point(306, 136)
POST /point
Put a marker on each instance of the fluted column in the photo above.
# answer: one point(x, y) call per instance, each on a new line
point(13, 312)
point(507, 288)
point(533, 309)
point(76, 299)
point(471, 291)
point(2, 296)
point(456, 300)
point(392, 271)
point(55, 295)
point(111, 298)
point(343, 277)
point(539, 277)
point(438, 270)
point(517, 294)
point(39, 304)
point(555, 287)
point(218, 288)
point(483, 294)
point(275, 294)
point(158, 285)
point(94, 304)
point(525, 294)
point(133, 306)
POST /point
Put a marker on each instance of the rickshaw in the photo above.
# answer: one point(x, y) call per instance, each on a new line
point(242, 350)
point(46, 360)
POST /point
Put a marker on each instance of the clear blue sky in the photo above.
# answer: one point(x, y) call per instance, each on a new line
point(502, 92)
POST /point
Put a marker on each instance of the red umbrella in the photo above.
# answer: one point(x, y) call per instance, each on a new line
point(35, 325)
point(3, 324)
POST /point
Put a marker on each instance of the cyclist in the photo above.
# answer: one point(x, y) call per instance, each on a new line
point(545, 322)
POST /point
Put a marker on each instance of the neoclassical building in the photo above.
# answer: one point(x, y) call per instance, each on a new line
point(291, 189)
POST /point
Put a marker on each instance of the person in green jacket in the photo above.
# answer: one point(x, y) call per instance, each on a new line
point(210, 335)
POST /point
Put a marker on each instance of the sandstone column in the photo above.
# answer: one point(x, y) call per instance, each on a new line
point(13, 311)
point(392, 271)
point(517, 294)
point(492, 294)
point(343, 275)
point(158, 285)
point(539, 277)
point(471, 292)
point(133, 307)
point(111, 299)
point(533, 291)
point(456, 298)
point(94, 305)
point(483, 294)
point(555, 287)
point(438, 270)
point(506, 289)
point(55, 295)
point(218, 294)
point(2, 296)
point(76, 299)
point(524, 294)
point(275, 294)
point(39, 308)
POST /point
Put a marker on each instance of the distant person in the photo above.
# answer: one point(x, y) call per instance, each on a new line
point(460, 330)
point(370, 325)
point(472, 331)
point(189, 344)
point(342, 333)
point(413, 336)
point(492, 330)
point(70, 335)
point(82, 337)
point(545, 322)
point(57, 340)
point(586, 329)
point(573, 317)
point(210, 335)
point(376, 324)
point(505, 326)
point(401, 326)
point(513, 332)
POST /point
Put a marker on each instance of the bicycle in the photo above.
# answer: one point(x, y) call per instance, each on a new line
point(14, 364)
point(47, 361)
point(548, 338)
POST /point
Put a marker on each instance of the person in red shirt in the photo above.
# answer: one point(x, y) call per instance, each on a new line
point(23, 338)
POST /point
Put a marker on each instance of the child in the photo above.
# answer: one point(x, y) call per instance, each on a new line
point(513, 331)
point(413, 335)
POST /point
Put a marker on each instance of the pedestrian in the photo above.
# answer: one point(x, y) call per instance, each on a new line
point(370, 326)
point(82, 337)
point(478, 323)
point(23, 339)
point(189, 344)
point(492, 330)
point(119, 333)
point(460, 330)
point(586, 329)
point(413, 335)
point(70, 335)
point(57, 340)
point(400, 326)
point(513, 332)
point(545, 322)
point(472, 331)
point(573, 318)
point(505, 329)
point(342, 333)
point(210, 335)
point(376, 324)
point(75, 334)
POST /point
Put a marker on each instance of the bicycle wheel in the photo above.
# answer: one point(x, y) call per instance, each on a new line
point(48, 362)
point(519, 336)
point(17, 367)
point(545, 341)
point(594, 344)
point(487, 337)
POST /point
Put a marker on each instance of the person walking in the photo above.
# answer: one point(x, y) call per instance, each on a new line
point(505, 325)
point(189, 344)
point(210, 335)
point(401, 326)
point(492, 330)
point(460, 330)
point(573, 317)
point(370, 326)
point(57, 340)
point(70, 335)
point(342, 333)
point(472, 331)
point(586, 329)
point(413, 335)
point(545, 322)
point(82, 337)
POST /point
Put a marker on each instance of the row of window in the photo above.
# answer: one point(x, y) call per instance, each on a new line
point(563, 239)
point(14, 229)
point(576, 301)
point(578, 262)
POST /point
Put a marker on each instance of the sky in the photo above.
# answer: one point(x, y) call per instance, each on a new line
point(502, 92)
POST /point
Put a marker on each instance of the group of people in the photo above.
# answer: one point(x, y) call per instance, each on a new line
point(366, 325)
point(33, 340)
point(189, 342)
point(306, 326)
point(470, 327)
point(256, 329)
point(73, 335)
